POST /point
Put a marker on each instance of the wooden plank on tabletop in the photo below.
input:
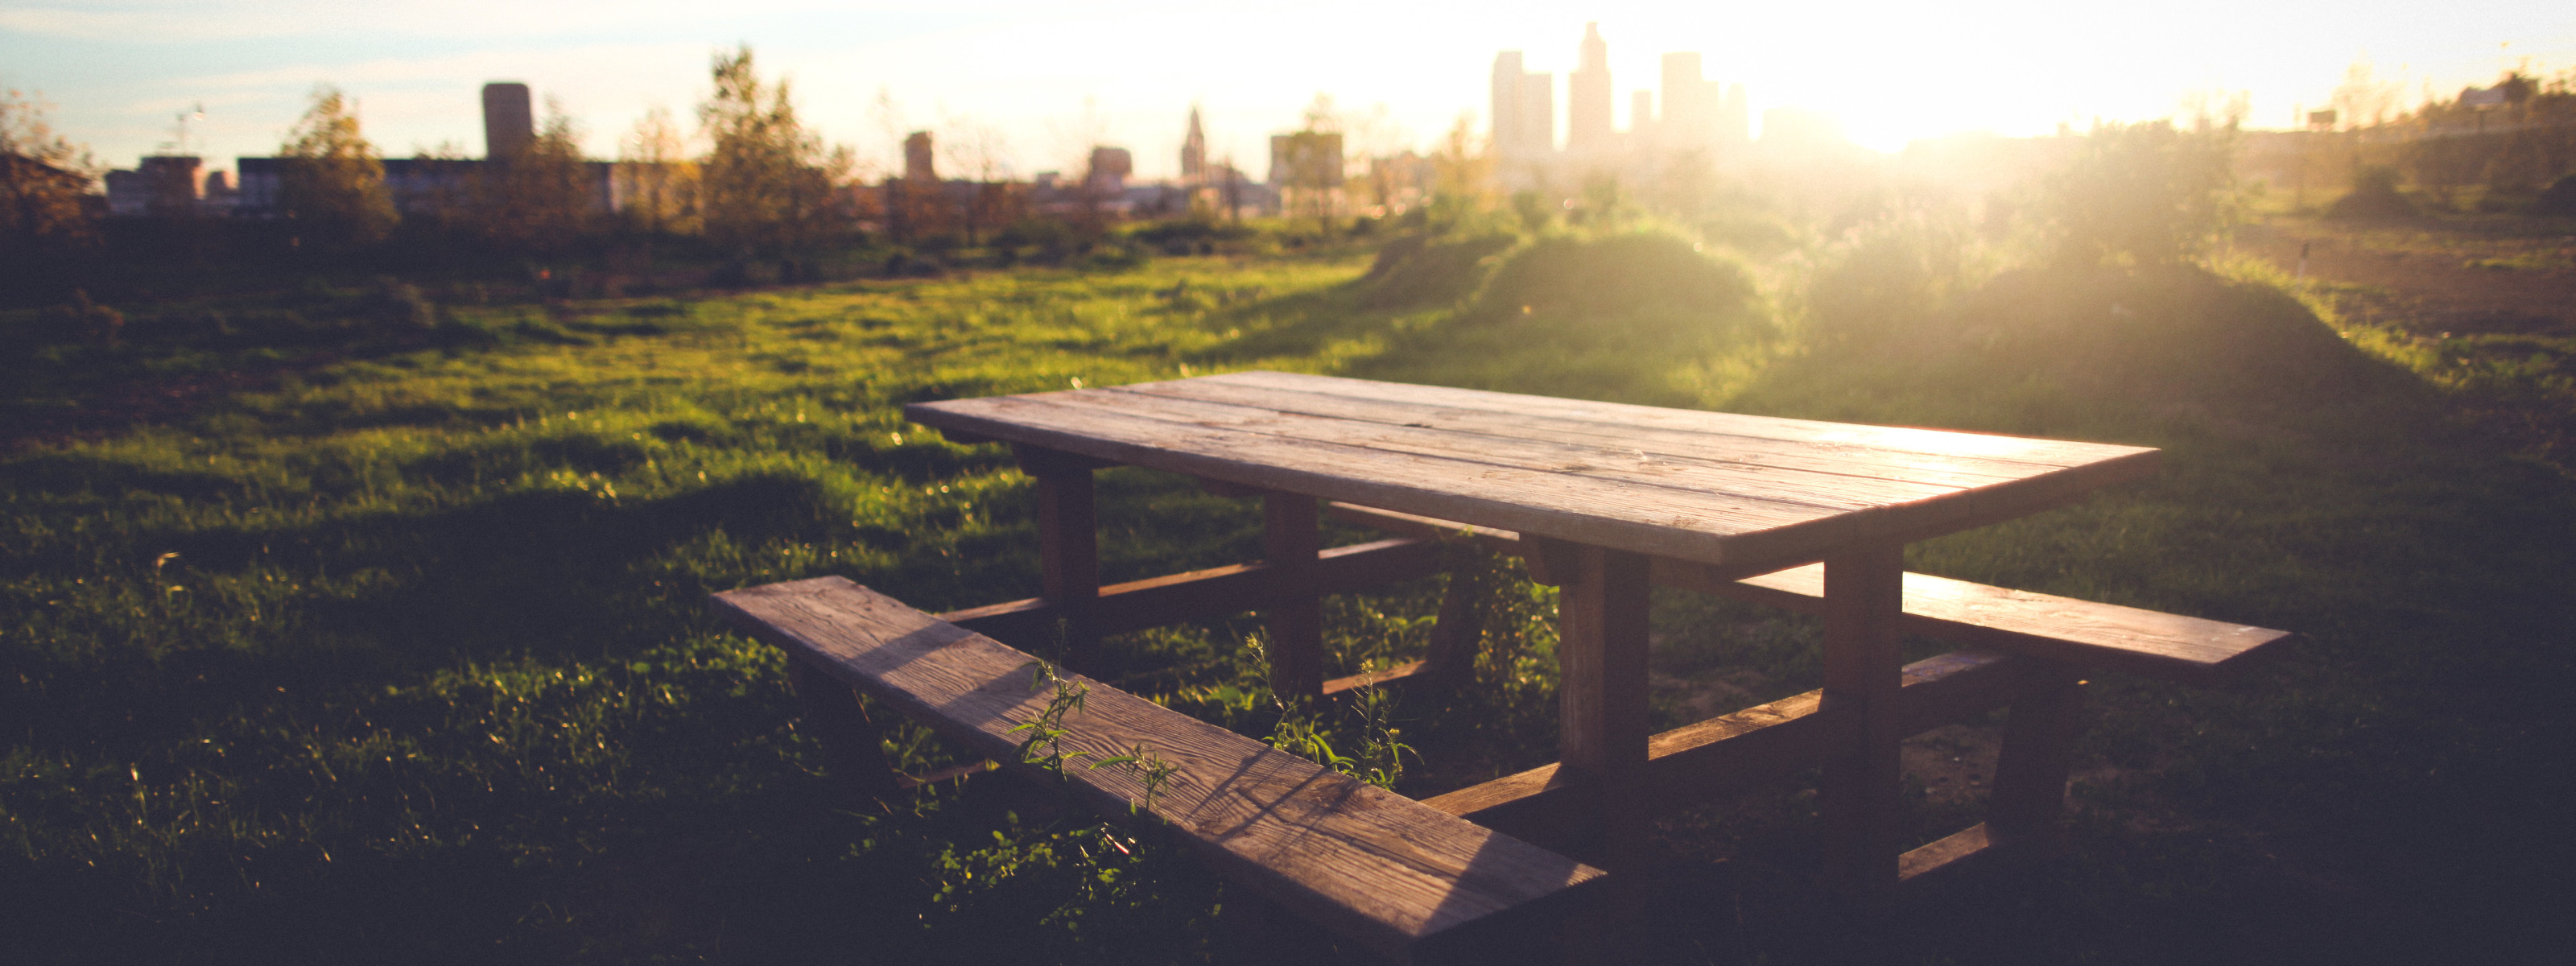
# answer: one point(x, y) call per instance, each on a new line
point(1697, 472)
point(1392, 874)
point(2024, 449)
point(1639, 517)
point(1611, 435)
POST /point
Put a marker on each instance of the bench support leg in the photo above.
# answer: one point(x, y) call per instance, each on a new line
point(1290, 540)
point(1861, 792)
point(852, 746)
point(1602, 722)
point(2031, 768)
point(1069, 552)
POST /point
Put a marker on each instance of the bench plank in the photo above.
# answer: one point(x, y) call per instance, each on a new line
point(2147, 643)
point(1693, 763)
point(1396, 876)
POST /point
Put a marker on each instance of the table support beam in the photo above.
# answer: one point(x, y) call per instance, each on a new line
point(1602, 721)
point(1068, 550)
point(1290, 540)
point(1860, 794)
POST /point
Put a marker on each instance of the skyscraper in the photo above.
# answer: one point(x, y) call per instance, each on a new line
point(1589, 127)
point(509, 125)
point(1194, 152)
point(1690, 104)
point(1524, 109)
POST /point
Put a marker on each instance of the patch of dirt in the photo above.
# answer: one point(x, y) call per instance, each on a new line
point(1955, 763)
point(2434, 277)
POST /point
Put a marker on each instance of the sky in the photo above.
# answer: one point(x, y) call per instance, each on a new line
point(1043, 81)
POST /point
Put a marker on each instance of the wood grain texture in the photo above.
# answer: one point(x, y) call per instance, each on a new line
point(1708, 487)
point(1214, 592)
point(1691, 764)
point(1289, 542)
point(1068, 549)
point(1602, 723)
point(1389, 873)
point(2037, 754)
point(2172, 647)
point(1945, 856)
point(1860, 796)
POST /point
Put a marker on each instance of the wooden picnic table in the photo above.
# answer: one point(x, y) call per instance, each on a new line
point(1605, 499)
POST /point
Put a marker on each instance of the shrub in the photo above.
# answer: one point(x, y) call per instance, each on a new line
point(2374, 195)
point(1893, 270)
point(2141, 194)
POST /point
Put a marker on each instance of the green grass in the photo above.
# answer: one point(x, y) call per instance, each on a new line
point(400, 654)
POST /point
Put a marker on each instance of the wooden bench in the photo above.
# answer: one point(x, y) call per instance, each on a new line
point(1403, 879)
point(2024, 651)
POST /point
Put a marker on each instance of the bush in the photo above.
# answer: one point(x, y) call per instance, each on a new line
point(396, 307)
point(2374, 195)
point(2142, 194)
point(1893, 270)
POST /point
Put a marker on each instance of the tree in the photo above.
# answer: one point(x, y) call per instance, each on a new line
point(767, 183)
point(1311, 182)
point(541, 198)
point(656, 177)
point(333, 181)
point(44, 180)
point(2142, 194)
point(1464, 166)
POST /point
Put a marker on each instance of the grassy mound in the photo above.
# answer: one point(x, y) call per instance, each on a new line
point(2033, 347)
point(1418, 271)
point(1640, 317)
point(2375, 195)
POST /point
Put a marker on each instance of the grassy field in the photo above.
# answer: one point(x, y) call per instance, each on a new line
point(342, 626)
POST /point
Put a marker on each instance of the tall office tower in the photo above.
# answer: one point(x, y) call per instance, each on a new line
point(1194, 152)
point(1524, 108)
point(1735, 120)
point(1538, 112)
point(1690, 104)
point(509, 126)
point(918, 159)
point(1588, 122)
point(1507, 102)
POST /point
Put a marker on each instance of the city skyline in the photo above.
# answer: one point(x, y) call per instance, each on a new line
point(1047, 81)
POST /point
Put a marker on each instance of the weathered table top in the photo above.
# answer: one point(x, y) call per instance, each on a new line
point(1718, 488)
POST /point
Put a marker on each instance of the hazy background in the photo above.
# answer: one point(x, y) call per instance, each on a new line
point(1052, 78)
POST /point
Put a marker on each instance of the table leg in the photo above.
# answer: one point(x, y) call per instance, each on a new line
point(1290, 541)
point(1602, 721)
point(2031, 769)
point(1860, 795)
point(1069, 552)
